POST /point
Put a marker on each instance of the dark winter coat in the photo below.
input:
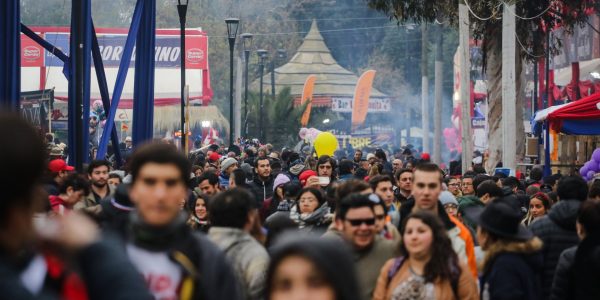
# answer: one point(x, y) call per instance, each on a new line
point(561, 286)
point(103, 267)
point(512, 271)
point(262, 190)
point(557, 231)
point(577, 271)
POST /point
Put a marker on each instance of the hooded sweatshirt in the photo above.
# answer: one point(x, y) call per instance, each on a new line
point(558, 232)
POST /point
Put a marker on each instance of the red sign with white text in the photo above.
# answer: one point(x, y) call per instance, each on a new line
point(32, 54)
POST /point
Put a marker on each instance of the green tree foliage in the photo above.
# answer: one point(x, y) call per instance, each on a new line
point(281, 120)
point(487, 24)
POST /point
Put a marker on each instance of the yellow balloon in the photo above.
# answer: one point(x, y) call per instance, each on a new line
point(325, 144)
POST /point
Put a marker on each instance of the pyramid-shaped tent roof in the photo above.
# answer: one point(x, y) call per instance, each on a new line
point(314, 57)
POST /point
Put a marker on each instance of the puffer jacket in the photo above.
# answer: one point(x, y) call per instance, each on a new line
point(557, 231)
point(249, 258)
point(561, 285)
point(512, 271)
point(577, 271)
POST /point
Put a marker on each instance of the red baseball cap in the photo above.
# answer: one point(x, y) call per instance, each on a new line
point(58, 165)
point(214, 156)
point(425, 156)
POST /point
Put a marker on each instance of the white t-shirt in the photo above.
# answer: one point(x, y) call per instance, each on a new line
point(162, 275)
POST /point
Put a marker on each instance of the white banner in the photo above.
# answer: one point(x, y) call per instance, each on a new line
point(345, 105)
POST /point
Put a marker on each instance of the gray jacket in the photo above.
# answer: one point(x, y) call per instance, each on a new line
point(248, 257)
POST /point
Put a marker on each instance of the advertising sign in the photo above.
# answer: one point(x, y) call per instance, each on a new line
point(167, 50)
point(32, 54)
point(375, 105)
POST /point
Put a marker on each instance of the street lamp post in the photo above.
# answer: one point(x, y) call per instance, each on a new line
point(182, 11)
point(247, 43)
point(281, 54)
point(232, 27)
point(262, 56)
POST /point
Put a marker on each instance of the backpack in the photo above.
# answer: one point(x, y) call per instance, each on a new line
point(398, 261)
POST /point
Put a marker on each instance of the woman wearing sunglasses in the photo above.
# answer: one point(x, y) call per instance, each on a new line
point(428, 267)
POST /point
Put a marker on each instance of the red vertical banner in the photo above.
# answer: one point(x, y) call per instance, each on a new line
point(307, 95)
point(362, 93)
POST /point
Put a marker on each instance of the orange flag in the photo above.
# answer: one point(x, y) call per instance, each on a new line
point(360, 104)
point(307, 95)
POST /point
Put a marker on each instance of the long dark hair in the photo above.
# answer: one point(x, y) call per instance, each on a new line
point(331, 257)
point(443, 260)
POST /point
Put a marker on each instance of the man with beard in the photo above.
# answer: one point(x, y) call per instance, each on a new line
point(262, 186)
point(176, 262)
point(98, 176)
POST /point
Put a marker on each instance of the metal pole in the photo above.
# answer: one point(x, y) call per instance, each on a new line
point(260, 114)
point(182, 10)
point(231, 121)
point(273, 79)
point(79, 19)
point(424, 89)
point(246, 57)
point(534, 99)
point(437, 108)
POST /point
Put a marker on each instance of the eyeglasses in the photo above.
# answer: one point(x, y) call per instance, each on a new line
point(358, 222)
point(379, 217)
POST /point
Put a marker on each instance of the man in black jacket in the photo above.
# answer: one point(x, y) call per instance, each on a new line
point(173, 260)
point(262, 185)
point(557, 229)
point(29, 269)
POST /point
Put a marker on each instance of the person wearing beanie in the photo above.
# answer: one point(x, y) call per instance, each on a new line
point(449, 202)
point(270, 205)
point(309, 178)
point(227, 166)
point(425, 157)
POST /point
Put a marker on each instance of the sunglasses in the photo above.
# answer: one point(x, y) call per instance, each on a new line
point(358, 222)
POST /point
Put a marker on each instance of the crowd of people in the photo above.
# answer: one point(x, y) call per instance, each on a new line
point(249, 222)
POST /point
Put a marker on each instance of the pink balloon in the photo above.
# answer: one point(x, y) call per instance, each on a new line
point(302, 133)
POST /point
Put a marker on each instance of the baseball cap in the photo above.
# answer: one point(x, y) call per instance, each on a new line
point(214, 156)
point(58, 165)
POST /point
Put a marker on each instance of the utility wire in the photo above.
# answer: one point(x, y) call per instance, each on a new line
point(482, 18)
point(321, 31)
point(513, 12)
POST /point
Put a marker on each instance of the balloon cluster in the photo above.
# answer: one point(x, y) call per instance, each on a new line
point(592, 167)
point(325, 143)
